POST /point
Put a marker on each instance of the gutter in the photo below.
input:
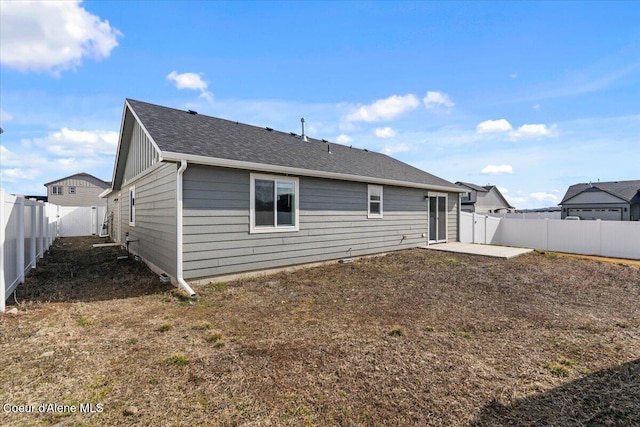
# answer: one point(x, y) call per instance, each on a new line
point(240, 164)
point(179, 222)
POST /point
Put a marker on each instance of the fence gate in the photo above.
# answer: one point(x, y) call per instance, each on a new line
point(79, 221)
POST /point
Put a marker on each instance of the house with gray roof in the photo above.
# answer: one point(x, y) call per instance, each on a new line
point(80, 189)
point(483, 199)
point(612, 201)
point(200, 197)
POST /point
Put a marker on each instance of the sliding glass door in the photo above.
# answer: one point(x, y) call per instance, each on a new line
point(437, 207)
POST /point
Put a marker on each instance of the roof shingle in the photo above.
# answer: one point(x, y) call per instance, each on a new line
point(178, 131)
point(625, 190)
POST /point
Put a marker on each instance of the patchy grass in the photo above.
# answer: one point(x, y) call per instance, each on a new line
point(176, 360)
point(413, 338)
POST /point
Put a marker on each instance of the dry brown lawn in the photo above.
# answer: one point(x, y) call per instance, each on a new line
point(412, 338)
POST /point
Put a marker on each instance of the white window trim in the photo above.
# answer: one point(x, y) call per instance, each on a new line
point(375, 215)
point(253, 229)
point(132, 206)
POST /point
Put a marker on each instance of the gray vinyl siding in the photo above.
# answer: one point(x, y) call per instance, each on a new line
point(141, 155)
point(333, 223)
point(87, 191)
point(155, 221)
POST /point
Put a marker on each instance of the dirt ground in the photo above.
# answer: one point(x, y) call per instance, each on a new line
point(416, 337)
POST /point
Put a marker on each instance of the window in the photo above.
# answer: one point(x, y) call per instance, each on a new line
point(72, 190)
point(375, 201)
point(56, 189)
point(274, 204)
point(132, 206)
point(466, 197)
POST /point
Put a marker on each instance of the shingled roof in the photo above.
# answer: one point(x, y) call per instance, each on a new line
point(472, 186)
point(179, 133)
point(625, 190)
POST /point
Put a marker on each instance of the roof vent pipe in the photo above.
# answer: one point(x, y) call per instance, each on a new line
point(303, 136)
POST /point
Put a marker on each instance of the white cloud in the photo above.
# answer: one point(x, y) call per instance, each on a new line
point(503, 190)
point(75, 143)
point(491, 126)
point(385, 132)
point(4, 116)
point(52, 35)
point(437, 99)
point(497, 169)
point(384, 109)
point(513, 75)
point(541, 197)
point(191, 81)
point(18, 174)
point(536, 107)
point(531, 131)
point(344, 139)
point(398, 148)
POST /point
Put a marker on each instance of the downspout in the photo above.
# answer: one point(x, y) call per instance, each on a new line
point(179, 222)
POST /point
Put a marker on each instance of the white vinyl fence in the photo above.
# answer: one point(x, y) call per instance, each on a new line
point(80, 221)
point(27, 229)
point(620, 239)
point(529, 215)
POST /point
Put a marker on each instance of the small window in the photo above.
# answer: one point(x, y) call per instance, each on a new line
point(72, 190)
point(375, 201)
point(132, 206)
point(466, 197)
point(56, 189)
point(273, 204)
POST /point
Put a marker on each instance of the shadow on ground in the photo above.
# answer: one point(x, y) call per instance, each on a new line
point(610, 397)
point(74, 270)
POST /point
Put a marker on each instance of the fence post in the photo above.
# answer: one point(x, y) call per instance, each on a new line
point(47, 227)
point(486, 218)
point(34, 252)
point(546, 234)
point(473, 227)
point(20, 237)
point(44, 229)
point(599, 221)
point(2, 237)
point(39, 240)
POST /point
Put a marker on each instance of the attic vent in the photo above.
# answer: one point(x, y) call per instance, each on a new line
point(366, 150)
point(293, 134)
point(269, 129)
point(324, 140)
point(192, 112)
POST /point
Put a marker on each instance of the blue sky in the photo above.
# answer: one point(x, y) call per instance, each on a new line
point(529, 96)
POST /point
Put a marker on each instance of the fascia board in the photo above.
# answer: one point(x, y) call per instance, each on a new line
point(239, 164)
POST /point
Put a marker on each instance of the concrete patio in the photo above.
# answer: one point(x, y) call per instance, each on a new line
point(479, 249)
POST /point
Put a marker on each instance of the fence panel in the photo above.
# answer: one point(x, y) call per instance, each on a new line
point(9, 238)
point(528, 215)
point(79, 221)
point(466, 227)
point(576, 237)
point(620, 239)
point(606, 238)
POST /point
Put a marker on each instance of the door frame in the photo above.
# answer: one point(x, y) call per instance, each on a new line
point(437, 196)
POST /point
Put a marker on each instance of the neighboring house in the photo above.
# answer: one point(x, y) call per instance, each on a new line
point(615, 201)
point(80, 189)
point(487, 199)
point(201, 197)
